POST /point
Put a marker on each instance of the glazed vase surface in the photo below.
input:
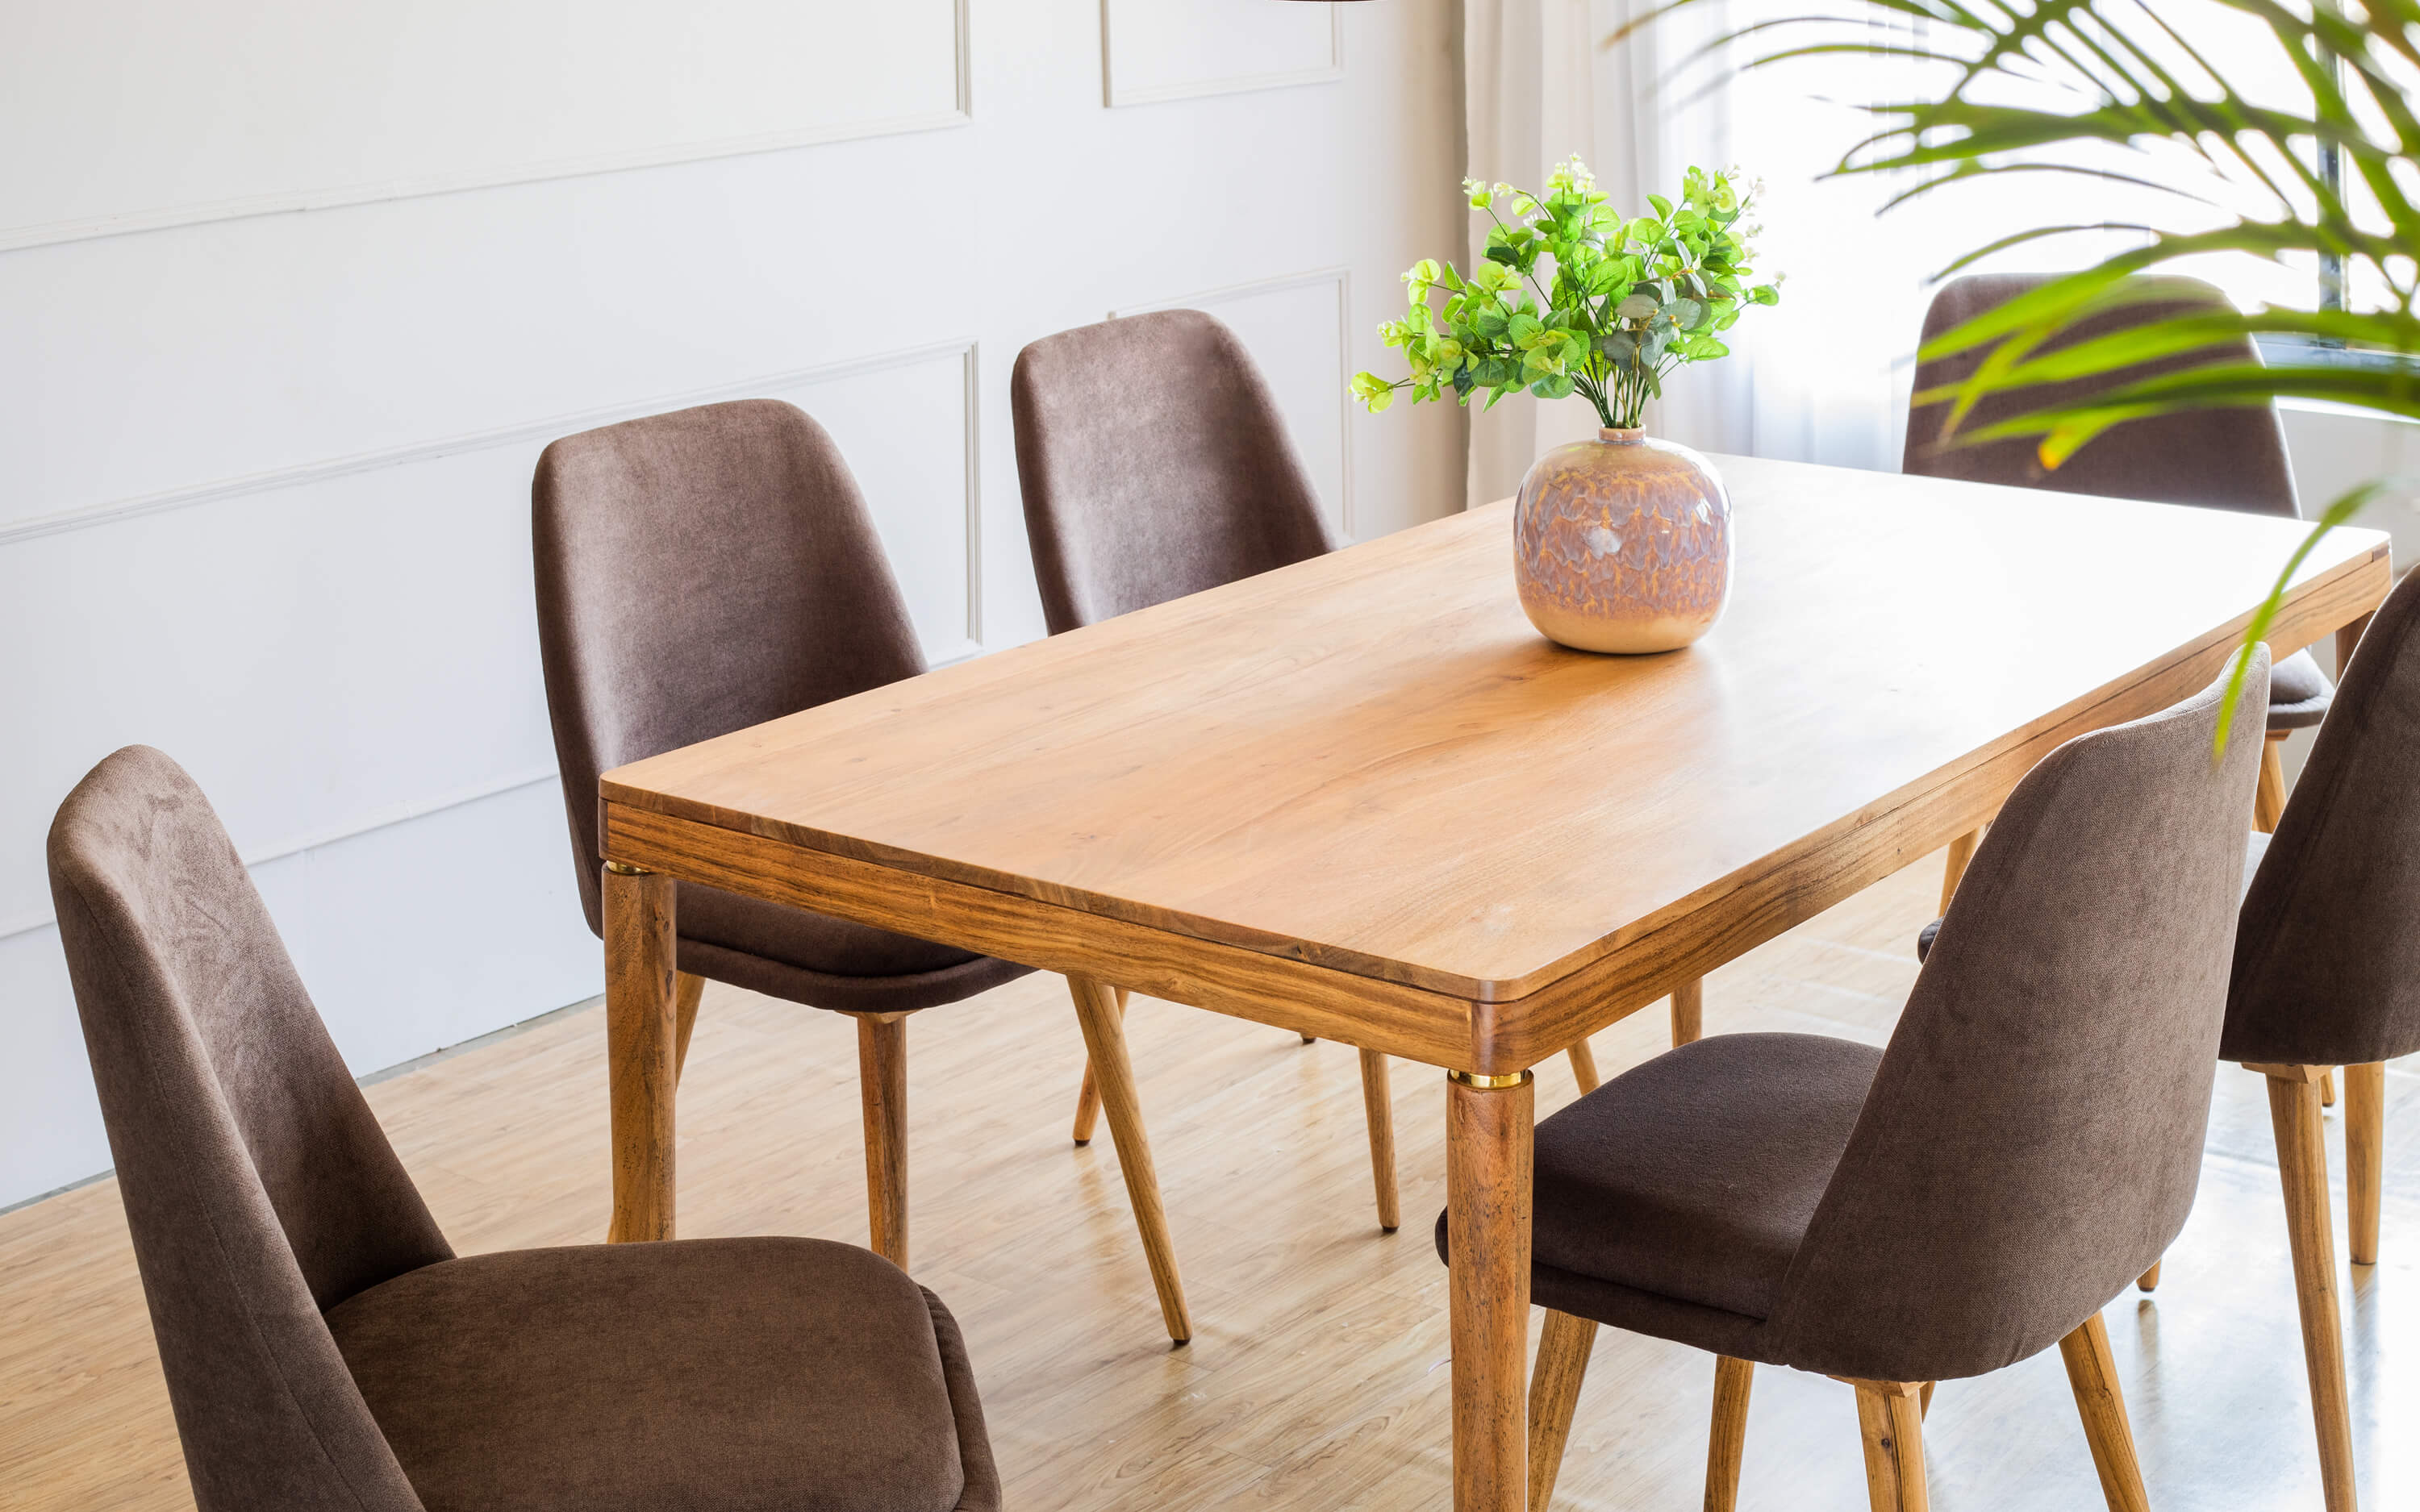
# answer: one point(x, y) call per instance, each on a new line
point(1623, 544)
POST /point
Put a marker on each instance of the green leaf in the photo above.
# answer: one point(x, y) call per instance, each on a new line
point(1663, 205)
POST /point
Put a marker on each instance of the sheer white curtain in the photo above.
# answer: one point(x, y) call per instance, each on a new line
point(1825, 375)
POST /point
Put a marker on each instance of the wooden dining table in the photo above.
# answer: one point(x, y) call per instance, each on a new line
point(1361, 798)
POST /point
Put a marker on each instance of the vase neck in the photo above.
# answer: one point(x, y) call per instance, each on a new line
point(1623, 435)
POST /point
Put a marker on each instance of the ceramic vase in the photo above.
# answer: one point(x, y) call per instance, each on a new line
point(1623, 544)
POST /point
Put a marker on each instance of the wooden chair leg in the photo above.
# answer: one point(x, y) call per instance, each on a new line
point(1584, 1066)
point(1727, 1441)
point(1961, 851)
point(2269, 798)
point(882, 1086)
point(2364, 1155)
point(1105, 1040)
point(2093, 1374)
point(687, 989)
point(1688, 1011)
point(2302, 1171)
point(1088, 1097)
point(1924, 1400)
point(1563, 1348)
point(1378, 1105)
point(1890, 1416)
point(2328, 1087)
point(2150, 1280)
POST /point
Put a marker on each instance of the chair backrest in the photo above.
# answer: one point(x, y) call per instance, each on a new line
point(698, 572)
point(258, 1185)
point(2034, 1135)
point(1153, 465)
point(2218, 459)
point(2327, 957)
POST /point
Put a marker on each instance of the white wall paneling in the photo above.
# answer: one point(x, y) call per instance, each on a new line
point(1297, 329)
point(201, 113)
point(1157, 50)
point(264, 479)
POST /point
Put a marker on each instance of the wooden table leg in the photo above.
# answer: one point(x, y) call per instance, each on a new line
point(641, 1049)
point(2348, 636)
point(1961, 851)
point(882, 1092)
point(1688, 1012)
point(2269, 798)
point(1488, 1126)
point(1104, 1041)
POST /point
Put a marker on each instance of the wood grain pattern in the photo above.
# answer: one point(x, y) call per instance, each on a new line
point(2365, 1156)
point(1371, 761)
point(2092, 1374)
point(1890, 1419)
point(1563, 1347)
point(1105, 1042)
point(640, 1055)
point(1378, 1108)
point(882, 1092)
point(2303, 1172)
point(1488, 1171)
point(1726, 1439)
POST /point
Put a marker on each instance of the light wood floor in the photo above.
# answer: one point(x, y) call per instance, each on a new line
point(1318, 1378)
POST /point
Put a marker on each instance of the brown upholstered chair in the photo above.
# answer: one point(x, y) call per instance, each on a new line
point(707, 570)
point(2213, 458)
point(2028, 1141)
point(325, 1349)
point(1153, 465)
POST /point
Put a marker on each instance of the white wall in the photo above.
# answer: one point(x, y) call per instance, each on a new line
point(292, 301)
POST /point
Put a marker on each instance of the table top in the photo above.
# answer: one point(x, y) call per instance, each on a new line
point(1372, 762)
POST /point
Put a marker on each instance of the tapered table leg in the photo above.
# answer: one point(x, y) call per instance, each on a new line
point(1488, 1128)
point(882, 1089)
point(642, 1052)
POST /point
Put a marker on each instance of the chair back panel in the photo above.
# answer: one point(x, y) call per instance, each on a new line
point(2327, 958)
point(2219, 458)
point(698, 572)
point(2034, 1135)
point(258, 1185)
point(1153, 465)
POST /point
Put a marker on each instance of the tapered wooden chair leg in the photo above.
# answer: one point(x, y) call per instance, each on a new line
point(1961, 851)
point(1924, 1400)
point(1727, 1441)
point(1563, 1348)
point(1088, 1097)
point(882, 1088)
point(2302, 1171)
point(1688, 1011)
point(1891, 1418)
point(2364, 1155)
point(687, 989)
point(2093, 1374)
point(1584, 1066)
point(2269, 798)
point(1379, 1105)
point(2328, 1087)
point(1105, 1040)
point(2150, 1280)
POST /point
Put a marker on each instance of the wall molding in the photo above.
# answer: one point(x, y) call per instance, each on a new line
point(1341, 277)
point(1115, 98)
point(111, 512)
point(340, 196)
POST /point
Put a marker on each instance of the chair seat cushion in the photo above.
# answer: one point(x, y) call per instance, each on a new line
point(1693, 1177)
point(821, 961)
point(729, 1374)
point(2299, 693)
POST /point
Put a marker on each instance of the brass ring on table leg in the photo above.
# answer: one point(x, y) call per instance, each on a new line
point(624, 868)
point(1485, 1082)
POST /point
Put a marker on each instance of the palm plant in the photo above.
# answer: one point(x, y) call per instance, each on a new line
point(2297, 143)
